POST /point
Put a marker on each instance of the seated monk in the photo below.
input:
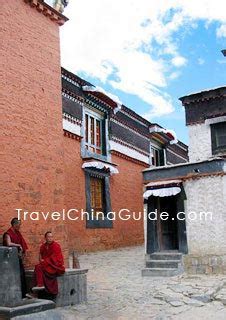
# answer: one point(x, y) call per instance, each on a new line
point(50, 266)
point(13, 238)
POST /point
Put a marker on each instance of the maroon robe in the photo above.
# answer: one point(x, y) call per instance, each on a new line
point(53, 259)
point(15, 237)
point(51, 267)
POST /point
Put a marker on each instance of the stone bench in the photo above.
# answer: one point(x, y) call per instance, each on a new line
point(72, 286)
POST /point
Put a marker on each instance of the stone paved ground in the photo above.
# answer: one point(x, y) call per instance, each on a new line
point(116, 291)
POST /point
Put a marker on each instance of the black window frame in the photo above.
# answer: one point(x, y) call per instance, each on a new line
point(158, 161)
point(98, 223)
point(215, 127)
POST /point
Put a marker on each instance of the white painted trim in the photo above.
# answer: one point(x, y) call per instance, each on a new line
point(70, 80)
point(128, 152)
point(72, 98)
point(72, 127)
point(162, 192)
point(72, 119)
point(164, 153)
point(145, 227)
point(100, 165)
point(215, 120)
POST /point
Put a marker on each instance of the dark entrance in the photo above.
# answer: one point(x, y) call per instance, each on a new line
point(169, 234)
point(167, 229)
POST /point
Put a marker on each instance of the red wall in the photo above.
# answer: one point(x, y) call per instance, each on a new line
point(31, 150)
point(40, 167)
point(126, 192)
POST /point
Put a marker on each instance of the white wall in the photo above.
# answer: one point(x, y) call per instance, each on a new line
point(206, 194)
point(199, 142)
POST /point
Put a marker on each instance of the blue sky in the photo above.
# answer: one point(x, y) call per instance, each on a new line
point(148, 53)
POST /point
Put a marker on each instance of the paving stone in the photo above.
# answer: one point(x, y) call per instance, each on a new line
point(180, 288)
point(176, 303)
point(116, 291)
point(203, 298)
point(193, 302)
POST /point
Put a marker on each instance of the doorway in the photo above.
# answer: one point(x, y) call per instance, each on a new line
point(170, 234)
point(167, 225)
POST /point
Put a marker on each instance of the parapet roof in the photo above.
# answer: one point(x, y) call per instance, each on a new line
point(203, 95)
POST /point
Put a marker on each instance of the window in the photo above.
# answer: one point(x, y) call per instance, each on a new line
point(94, 133)
point(218, 135)
point(158, 157)
point(98, 199)
point(97, 194)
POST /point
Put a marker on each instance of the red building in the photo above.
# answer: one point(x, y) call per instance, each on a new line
point(64, 147)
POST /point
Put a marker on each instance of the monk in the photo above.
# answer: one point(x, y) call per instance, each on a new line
point(51, 265)
point(13, 238)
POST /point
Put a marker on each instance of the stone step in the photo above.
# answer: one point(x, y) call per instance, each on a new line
point(162, 263)
point(166, 256)
point(25, 308)
point(160, 272)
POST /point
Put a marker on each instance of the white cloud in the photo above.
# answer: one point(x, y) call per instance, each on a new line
point(115, 42)
point(221, 31)
point(174, 75)
point(162, 105)
point(179, 61)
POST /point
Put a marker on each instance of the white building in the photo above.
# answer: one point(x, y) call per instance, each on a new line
point(191, 234)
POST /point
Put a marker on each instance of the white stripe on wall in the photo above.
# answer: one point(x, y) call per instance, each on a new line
point(128, 152)
point(72, 127)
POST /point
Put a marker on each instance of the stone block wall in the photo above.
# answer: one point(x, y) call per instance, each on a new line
point(72, 286)
point(10, 295)
point(205, 264)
